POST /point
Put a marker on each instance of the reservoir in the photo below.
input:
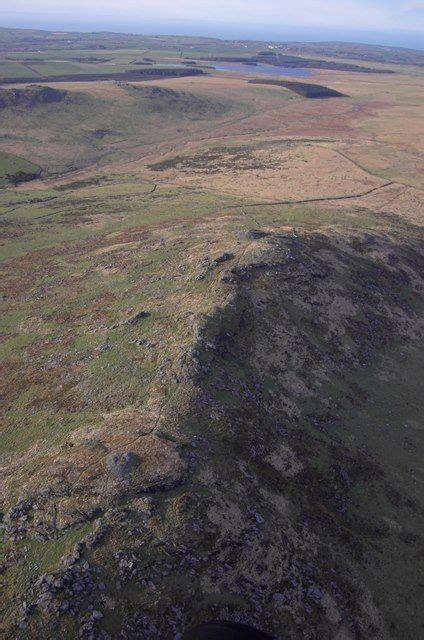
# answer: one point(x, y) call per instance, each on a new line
point(263, 68)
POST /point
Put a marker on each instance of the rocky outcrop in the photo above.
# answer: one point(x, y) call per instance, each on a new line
point(121, 463)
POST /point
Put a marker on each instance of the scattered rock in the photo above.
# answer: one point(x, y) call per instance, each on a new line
point(207, 264)
point(256, 234)
point(314, 593)
point(97, 615)
point(67, 590)
point(279, 597)
point(15, 521)
point(224, 257)
point(143, 506)
point(133, 320)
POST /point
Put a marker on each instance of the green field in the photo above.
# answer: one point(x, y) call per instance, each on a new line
point(16, 169)
point(45, 55)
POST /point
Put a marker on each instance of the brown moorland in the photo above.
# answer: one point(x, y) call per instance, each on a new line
point(211, 347)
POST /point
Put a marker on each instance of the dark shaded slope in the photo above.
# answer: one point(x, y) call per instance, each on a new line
point(30, 96)
point(153, 73)
point(313, 368)
point(304, 89)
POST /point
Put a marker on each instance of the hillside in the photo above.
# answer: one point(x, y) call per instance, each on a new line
point(29, 97)
point(355, 51)
point(211, 327)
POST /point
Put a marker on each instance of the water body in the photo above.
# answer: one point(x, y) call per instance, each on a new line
point(263, 68)
point(126, 23)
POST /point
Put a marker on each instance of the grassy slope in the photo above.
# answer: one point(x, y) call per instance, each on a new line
point(12, 166)
point(88, 128)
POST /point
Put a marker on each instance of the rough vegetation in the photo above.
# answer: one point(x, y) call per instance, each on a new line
point(216, 160)
point(211, 347)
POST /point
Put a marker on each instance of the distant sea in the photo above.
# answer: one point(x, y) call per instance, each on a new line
point(396, 38)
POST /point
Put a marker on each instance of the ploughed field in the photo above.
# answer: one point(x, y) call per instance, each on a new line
point(211, 341)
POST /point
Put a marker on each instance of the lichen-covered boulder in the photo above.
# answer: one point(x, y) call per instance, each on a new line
point(122, 463)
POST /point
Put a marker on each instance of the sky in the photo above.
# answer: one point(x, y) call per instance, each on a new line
point(392, 19)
